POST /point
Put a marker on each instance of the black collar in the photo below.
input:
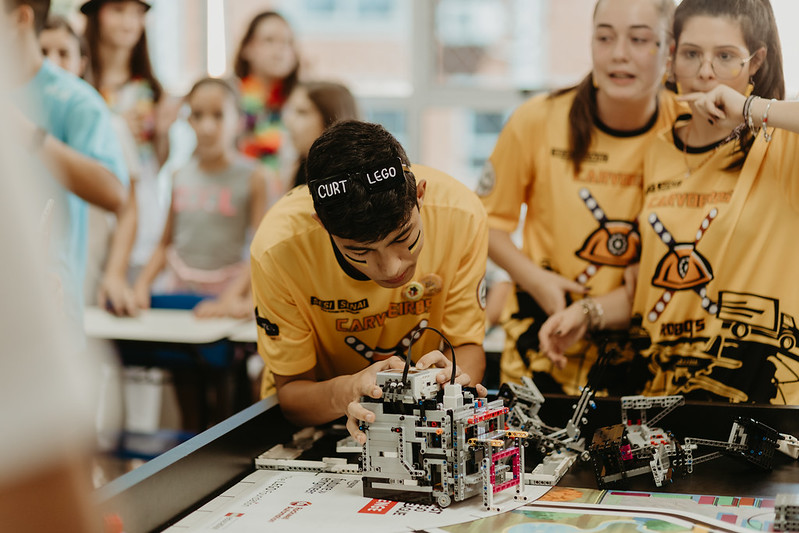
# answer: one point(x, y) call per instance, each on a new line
point(345, 265)
point(691, 149)
point(633, 133)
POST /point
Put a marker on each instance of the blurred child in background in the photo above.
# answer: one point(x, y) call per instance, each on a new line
point(267, 67)
point(120, 69)
point(218, 200)
point(110, 241)
point(311, 108)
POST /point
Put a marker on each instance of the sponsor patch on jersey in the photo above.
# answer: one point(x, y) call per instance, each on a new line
point(590, 157)
point(269, 327)
point(340, 305)
point(487, 180)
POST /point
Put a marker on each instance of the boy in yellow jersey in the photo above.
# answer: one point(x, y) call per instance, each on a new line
point(346, 270)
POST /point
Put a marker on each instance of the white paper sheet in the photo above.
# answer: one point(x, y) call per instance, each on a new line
point(272, 500)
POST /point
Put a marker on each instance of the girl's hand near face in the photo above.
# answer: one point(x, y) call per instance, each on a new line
point(721, 106)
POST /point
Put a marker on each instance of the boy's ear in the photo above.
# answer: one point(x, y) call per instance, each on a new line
point(23, 17)
point(421, 189)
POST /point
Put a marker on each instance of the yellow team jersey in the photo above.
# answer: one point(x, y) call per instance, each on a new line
point(716, 293)
point(316, 312)
point(581, 226)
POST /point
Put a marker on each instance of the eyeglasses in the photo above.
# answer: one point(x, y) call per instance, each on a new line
point(726, 64)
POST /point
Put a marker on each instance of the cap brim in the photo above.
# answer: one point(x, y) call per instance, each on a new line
point(93, 5)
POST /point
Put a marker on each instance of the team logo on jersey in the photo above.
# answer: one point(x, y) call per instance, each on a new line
point(487, 180)
point(682, 268)
point(615, 243)
point(270, 328)
point(413, 291)
point(432, 284)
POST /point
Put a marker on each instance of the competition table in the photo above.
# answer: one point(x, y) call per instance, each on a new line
point(170, 486)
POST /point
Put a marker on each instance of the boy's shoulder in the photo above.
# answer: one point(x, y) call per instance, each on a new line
point(445, 192)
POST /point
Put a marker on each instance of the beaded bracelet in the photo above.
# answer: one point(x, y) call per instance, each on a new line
point(593, 313)
point(764, 122)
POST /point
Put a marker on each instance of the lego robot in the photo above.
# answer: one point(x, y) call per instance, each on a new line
point(433, 444)
point(636, 447)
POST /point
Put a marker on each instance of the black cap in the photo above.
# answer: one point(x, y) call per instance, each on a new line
point(93, 5)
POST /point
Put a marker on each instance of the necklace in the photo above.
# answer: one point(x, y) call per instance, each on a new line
point(734, 134)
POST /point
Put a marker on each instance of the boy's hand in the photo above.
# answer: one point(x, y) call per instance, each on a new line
point(364, 383)
point(560, 331)
point(438, 359)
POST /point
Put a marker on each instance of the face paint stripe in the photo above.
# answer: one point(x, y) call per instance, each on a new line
point(361, 261)
point(415, 242)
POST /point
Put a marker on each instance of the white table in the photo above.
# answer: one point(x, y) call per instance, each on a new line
point(159, 325)
point(187, 333)
point(245, 332)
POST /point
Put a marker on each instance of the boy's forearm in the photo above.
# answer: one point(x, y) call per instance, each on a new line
point(309, 403)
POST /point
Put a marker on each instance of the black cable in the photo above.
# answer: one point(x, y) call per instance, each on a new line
point(417, 334)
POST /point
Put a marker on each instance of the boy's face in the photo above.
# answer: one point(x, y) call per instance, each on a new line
point(391, 262)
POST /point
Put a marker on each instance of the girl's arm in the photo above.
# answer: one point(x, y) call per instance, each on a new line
point(608, 311)
point(725, 106)
point(166, 112)
point(115, 294)
point(156, 263)
point(548, 288)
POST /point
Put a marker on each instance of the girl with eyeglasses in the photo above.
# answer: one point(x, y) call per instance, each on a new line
point(716, 302)
point(575, 158)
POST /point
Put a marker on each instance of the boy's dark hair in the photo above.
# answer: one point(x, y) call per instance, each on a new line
point(40, 10)
point(348, 148)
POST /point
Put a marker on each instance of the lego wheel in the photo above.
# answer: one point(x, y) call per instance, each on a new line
point(443, 500)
